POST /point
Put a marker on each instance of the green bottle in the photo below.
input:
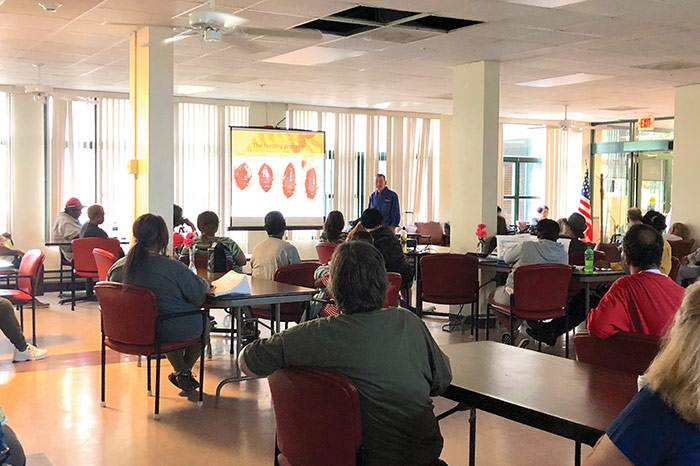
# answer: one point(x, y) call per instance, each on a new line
point(589, 256)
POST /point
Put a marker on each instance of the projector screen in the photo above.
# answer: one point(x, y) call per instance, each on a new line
point(277, 170)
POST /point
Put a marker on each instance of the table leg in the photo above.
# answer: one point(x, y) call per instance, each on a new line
point(472, 437)
point(587, 287)
point(577, 454)
point(239, 331)
point(278, 317)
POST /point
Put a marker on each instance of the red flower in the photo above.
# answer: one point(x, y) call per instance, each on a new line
point(190, 235)
point(481, 231)
point(188, 242)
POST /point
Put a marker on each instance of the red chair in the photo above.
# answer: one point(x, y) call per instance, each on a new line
point(392, 294)
point(578, 258)
point(130, 325)
point(294, 274)
point(539, 293)
point(26, 281)
point(318, 418)
point(104, 261)
point(201, 261)
point(84, 262)
point(675, 267)
point(681, 248)
point(611, 250)
point(452, 279)
point(626, 352)
point(325, 251)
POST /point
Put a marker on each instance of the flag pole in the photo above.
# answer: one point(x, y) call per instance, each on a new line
point(602, 196)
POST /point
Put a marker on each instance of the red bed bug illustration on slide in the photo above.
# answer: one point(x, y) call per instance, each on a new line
point(265, 175)
point(289, 182)
point(242, 175)
point(311, 184)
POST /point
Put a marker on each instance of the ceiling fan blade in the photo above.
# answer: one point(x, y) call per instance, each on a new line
point(310, 34)
point(179, 37)
point(246, 45)
point(135, 25)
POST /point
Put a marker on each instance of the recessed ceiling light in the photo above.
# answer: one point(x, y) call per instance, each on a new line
point(51, 7)
point(310, 56)
point(546, 3)
point(575, 78)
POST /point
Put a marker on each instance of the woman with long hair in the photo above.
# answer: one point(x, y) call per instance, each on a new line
point(333, 228)
point(176, 288)
point(661, 425)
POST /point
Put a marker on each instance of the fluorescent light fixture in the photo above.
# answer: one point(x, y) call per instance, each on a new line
point(310, 56)
point(576, 78)
point(187, 89)
point(546, 3)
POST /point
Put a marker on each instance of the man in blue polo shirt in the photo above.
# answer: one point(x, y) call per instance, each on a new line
point(385, 201)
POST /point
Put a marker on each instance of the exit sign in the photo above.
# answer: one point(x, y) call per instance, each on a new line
point(646, 123)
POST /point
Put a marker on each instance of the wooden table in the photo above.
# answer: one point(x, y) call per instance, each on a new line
point(263, 292)
point(568, 398)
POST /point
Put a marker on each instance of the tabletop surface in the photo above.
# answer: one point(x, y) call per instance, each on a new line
point(259, 286)
point(494, 264)
point(5, 264)
point(423, 249)
point(562, 388)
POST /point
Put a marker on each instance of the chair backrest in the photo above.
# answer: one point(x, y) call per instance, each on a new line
point(31, 263)
point(392, 293)
point(611, 250)
point(318, 417)
point(449, 278)
point(675, 267)
point(432, 229)
point(626, 352)
point(129, 313)
point(325, 251)
point(300, 275)
point(540, 291)
point(83, 260)
point(523, 225)
point(578, 258)
point(104, 261)
point(681, 247)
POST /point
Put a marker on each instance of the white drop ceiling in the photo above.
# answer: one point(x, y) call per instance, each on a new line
point(533, 40)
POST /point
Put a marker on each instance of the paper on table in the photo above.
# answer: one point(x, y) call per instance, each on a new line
point(230, 283)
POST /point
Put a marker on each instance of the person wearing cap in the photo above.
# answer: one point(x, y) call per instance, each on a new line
point(573, 229)
point(67, 226)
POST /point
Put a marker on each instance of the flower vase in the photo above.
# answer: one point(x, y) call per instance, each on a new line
point(480, 247)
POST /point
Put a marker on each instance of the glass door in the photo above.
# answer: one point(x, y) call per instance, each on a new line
point(653, 181)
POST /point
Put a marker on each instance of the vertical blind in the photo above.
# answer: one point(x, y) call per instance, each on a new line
point(5, 166)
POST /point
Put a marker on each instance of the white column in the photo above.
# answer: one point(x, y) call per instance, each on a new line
point(686, 161)
point(151, 97)
point(474, 182)
point(28, 181)
point(444, 209)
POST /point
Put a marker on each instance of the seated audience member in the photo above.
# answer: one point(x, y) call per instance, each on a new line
point(8, 252)
point(179, 223)
point(388, 244)
point(658, 221)
point(96, 217)
point(208, 224)
point(501, 223)
point(634, 216)
point(542, 213)
point(690, 270)
point(678, 231)
point(11, 451)
point(12, 330)
point(643, 302)
point(398, 423)
point(574, 229)
point(333, 228)
point(661, 425)
point(67, 226)
point(274, 252)
point(176, 288)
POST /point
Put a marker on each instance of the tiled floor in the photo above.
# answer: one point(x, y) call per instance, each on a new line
point(54, 407)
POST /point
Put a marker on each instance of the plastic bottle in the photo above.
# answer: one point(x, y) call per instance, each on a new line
point(115, 230)
point(404, 240)
point(589, 256)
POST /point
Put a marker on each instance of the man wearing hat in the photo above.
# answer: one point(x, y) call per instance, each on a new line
point(573, 229)
point(67, 226)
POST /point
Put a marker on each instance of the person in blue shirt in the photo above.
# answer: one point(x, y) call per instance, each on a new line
point(661, 425)
point(385, 201)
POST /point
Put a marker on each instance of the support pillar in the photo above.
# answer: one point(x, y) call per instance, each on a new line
point(686, 162)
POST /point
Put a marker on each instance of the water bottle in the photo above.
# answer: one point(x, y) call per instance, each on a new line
point(115, 230)
point(589, 256)
point(404, 240)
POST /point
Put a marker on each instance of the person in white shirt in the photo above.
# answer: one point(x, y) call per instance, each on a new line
point(67, 226)
point(274, 252)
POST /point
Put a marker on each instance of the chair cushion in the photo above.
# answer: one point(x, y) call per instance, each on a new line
point(432, 229)
point(16, 296)
point(145, 350)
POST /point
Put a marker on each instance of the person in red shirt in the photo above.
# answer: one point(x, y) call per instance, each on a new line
point(643, 302)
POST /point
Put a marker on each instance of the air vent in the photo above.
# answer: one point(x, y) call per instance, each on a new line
point(438, 23)
point(623, 108)
point(668, 66)
point(369, 14)
point(337, 28)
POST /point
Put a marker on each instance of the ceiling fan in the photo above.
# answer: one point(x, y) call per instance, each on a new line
point(41, 92)
point(566, 124)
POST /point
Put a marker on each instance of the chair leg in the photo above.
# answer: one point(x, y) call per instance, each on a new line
point(34, 321)
point(21, 317)
point(201, 378)
point(566, 338)
point(138, 361)
point(475, 307)
point(156, 415)
point(488, 319)
point(72, 291)
point(102, 386)
point(510, 320)
point(148, 373)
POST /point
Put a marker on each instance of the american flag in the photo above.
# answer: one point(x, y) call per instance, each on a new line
point(585, 207)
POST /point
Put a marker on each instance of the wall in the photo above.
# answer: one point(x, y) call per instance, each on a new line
point(686, 162)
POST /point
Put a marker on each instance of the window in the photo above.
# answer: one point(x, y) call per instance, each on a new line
point(523, 173)
point(5, 166)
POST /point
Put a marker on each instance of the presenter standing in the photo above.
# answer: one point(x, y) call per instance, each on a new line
point(385, 201)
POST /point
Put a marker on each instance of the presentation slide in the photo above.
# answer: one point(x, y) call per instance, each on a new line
point(277, 170)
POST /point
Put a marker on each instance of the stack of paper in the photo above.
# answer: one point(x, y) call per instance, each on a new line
point(231, 283)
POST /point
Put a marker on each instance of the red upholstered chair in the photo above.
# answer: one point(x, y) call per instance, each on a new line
point(26, 281)
point(681, 248)
point(325, 251)
point(539, 293)
point(84, 262)
point(318, 418)
point(675, 267)
point(578, 258)
point(392, 293)
point(626, 352)
point(611, 250)
point(452, 279)
point(104, 261)
point(294, 274)
point(130, 325)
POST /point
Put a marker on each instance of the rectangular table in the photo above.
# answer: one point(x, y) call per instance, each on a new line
point(416, 255)
point(263, 293)
point(568, 398)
